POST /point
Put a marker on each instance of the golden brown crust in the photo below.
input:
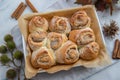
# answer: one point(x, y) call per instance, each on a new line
point(80, 20)
point(38, 23)
point(42, 58)
point(60, 25)
point(67, 54)
point(82, 36)
point(90, 51)
point(73, 34)
point(55, 40)
point(37, 39)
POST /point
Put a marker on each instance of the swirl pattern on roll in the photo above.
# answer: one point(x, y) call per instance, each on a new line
point(38, 23)
point(37, 39)
point(55, 40)
point(80, 20)
point(42, 58)
point(82, 36)
point(60, 25)
point(67, 54)
point(89, 51)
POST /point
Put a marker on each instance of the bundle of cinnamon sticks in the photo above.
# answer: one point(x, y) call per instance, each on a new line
point(19, 10)
point(116, 50)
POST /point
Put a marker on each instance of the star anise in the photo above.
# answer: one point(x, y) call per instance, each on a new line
point(111, 30)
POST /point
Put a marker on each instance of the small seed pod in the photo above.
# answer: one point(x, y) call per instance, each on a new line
point(11, 74)
point(3, 49)
point(8, 37)
point(18, 55)
point(11, 45)
point(4, 59)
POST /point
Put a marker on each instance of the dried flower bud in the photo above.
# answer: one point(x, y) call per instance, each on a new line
point(11, 74)
point(8, 37)
point(3, 49)
point(11, 45)
point(18, 55)
point(4, 59)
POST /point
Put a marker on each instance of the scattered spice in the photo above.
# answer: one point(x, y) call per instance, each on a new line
point(111, 30)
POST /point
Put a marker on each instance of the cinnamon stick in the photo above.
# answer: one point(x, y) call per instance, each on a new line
point(20, 11)
point(118, 53)
point(17, 9)
point(115, 50)
point(31, 6)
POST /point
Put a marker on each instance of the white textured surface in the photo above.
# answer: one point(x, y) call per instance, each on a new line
point(110, 72)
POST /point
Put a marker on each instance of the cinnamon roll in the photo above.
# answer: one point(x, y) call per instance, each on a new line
point(60, 25)
point(80, 20)
point(82, 36)
point(38, 23)
point(55, 40)
point(89, 51)
point(67, 54)
point(42, 58)
point(37, 39)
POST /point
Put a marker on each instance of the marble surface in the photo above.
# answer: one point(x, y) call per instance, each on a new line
point(9, 25)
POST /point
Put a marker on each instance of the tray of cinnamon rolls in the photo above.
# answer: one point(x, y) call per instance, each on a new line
point(62, 39)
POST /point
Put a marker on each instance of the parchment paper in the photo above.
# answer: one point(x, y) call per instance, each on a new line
point(102, 59)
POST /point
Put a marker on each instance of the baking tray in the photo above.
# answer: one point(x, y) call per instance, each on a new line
point(103, 62)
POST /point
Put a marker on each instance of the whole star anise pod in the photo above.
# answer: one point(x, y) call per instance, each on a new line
point(110, 30)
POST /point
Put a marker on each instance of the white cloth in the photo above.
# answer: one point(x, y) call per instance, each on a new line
point(8, 24)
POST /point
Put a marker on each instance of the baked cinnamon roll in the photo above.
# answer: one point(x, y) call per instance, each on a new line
point(42, 58)
point(55, 40)
point(37, 39)
point(89, 51)
point(60, 25)
point(38, 23)
point(67, 54)
point(80, 20)
point(82, 36)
